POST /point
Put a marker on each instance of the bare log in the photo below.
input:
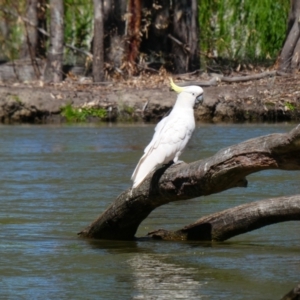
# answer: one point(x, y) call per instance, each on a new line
point(223, 225)
point(211, 82)
point(220, 78)
point(226, 169)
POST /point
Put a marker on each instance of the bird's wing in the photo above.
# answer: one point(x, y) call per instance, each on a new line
point(169, 140)
point(158, 129)
point(175, 133)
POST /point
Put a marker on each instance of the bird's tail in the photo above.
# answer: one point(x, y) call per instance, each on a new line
point(145, 166)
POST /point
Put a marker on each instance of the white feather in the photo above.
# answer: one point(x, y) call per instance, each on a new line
point(171, 135)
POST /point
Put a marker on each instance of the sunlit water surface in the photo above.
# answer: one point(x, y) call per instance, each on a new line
point(55, 180)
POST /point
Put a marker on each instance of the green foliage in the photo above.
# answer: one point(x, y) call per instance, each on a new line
point(244, 30)
point(73, 114)
point(16, 98)
point(11, 29)
point(78, 26)
point(290, 106)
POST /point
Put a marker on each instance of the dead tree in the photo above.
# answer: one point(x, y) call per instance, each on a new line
point(227, 169)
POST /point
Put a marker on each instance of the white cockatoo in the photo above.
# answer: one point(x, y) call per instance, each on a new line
point(172, 133)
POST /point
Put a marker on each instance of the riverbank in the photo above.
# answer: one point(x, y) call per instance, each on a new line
point(148, 98)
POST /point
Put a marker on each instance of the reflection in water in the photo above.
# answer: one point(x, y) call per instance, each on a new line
point(156, 279)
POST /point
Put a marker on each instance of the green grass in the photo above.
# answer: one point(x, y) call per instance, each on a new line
point(290, 106)
point(73, 114)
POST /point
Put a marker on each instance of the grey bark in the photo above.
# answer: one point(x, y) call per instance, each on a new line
point(226, 169)
point(98, 45)
point(53, 71)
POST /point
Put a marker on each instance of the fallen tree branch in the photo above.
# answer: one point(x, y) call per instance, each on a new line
point(214, 80)
point(223, 225)
point(249, 77)
point(211, 82)
point(226, 169)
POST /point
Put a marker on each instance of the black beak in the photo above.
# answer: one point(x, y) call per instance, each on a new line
point(199, 99)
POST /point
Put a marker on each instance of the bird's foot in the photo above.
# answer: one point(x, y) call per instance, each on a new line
point(178, 162)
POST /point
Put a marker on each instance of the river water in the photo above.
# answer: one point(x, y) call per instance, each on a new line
point(55, 180)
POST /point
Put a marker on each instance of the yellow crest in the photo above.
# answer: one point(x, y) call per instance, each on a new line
point(175, 87)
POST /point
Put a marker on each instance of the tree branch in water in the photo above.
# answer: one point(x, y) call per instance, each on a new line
point(227, 169)
point(223, 225)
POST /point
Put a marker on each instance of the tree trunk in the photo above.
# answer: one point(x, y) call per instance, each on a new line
point(30, 43)
point(289, 56)
point(98, 46)
point(53, 71)
point(42, 24)
point(186, 30)
point(114, 31)
point(225, 170)
point(133, 33)
point(156, 25)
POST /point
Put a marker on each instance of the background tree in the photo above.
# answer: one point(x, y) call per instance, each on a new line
point(155, 26)
point(289, 58)
point(34, 43)
point(114, 32)
point(133, 38)
point(42, 24)
point(53, 71)
point(98, 44)
point(31, 36)
point(232, 32)
point(165, 33)
point(186, 30)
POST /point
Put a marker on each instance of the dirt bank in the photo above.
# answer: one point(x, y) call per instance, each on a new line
point(274, 98)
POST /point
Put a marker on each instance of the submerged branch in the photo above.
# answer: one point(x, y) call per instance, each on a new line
point(226, 169)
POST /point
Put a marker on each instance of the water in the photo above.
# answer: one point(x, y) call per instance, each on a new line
point(55, 180)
